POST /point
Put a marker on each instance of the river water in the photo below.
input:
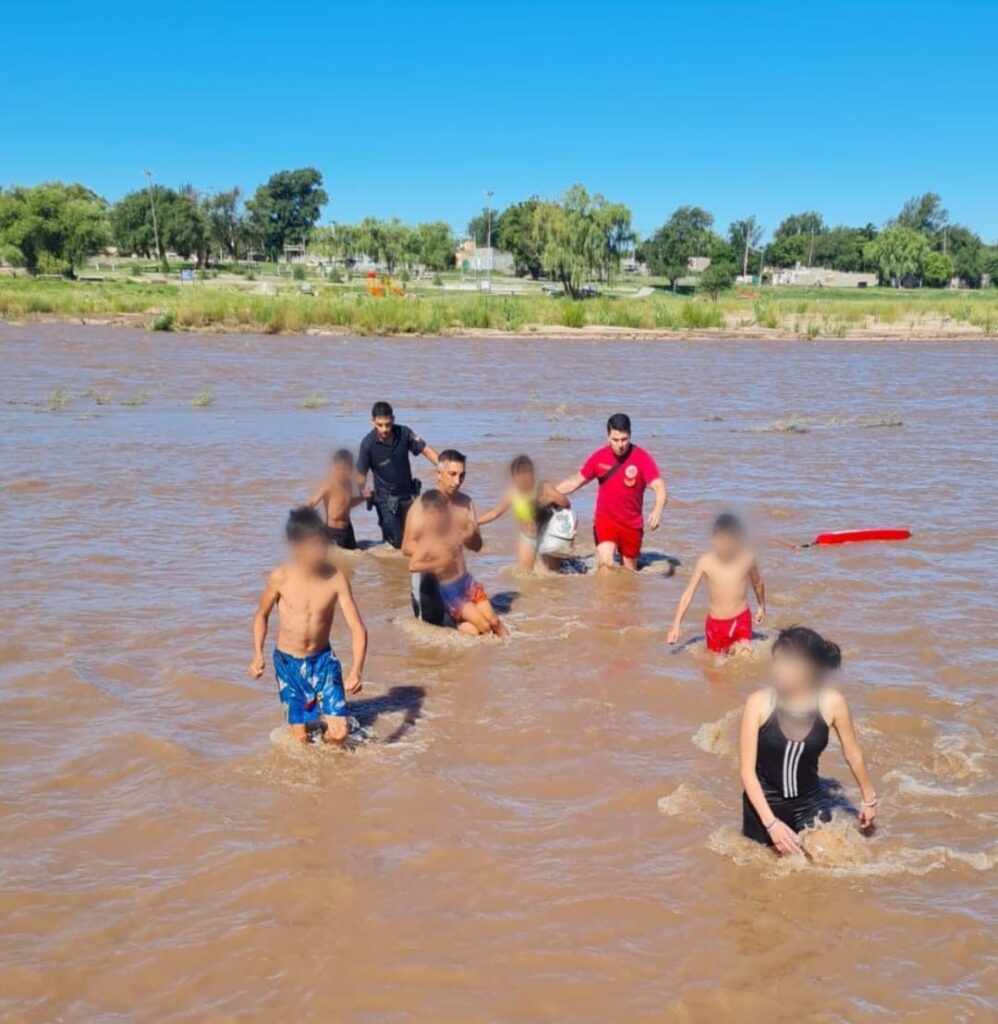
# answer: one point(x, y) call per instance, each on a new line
point(541, 829)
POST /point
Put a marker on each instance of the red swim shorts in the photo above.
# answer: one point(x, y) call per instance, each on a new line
point(626, 538)
point(723, 633)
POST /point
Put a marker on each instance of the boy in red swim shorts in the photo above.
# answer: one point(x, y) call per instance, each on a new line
point(729, 567)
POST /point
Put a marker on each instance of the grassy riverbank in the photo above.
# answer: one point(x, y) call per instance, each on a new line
point(280, 307)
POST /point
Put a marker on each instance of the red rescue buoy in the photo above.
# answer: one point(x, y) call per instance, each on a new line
point(852, 536)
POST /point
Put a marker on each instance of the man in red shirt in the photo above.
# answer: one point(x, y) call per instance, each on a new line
point(624, 471)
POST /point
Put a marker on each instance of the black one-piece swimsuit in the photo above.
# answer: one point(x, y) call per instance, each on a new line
point(787, 770)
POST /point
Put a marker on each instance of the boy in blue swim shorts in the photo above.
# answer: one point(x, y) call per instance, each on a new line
point(308, 588)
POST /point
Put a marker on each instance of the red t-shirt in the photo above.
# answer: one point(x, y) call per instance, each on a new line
point(621, 498)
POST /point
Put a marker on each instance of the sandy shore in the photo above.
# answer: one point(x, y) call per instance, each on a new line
point(926, 328)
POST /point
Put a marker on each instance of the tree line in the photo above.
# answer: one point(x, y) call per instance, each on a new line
point(574, 240)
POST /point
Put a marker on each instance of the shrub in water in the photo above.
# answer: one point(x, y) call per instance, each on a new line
point(164, 322)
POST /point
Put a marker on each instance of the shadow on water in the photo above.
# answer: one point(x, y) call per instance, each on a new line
point(503, 601)
point(407, 700)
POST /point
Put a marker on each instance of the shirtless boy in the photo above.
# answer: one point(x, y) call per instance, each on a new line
point(729, 567)
point(308, 589)
point(440, 550)
point(338, 497)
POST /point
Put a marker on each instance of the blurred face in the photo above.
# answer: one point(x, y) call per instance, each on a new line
point(383, 427)
point(726, 544)
point(342, 471)
point(523, 480)
point(620, 441)
point(450, 477)
point(793, 674)
point(311, 553)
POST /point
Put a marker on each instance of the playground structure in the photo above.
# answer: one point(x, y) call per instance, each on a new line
point(379, 286)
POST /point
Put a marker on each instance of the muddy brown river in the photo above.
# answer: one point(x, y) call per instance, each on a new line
point(539, 829)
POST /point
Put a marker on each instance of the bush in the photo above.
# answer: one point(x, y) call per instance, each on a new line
point(164, 322)
point(573, 314)
point(438, 280)
point(298, 272)
point(717, 278)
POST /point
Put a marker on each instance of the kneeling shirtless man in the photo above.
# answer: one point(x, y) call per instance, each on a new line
point(308, 589)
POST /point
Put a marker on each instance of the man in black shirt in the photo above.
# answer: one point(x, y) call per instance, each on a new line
point(384, 453)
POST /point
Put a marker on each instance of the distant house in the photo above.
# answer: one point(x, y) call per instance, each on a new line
point(820, 277)
point(470, 257)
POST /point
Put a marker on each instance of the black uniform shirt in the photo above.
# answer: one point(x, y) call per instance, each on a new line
point(389, 463)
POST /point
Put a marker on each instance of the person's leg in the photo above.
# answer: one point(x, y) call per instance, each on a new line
point(605, 552)
point(337, 729)
point(471, 615)
point(391, 523)
point(552, 563)
point(493, 620)
point(431, 606)
point(526, 554)
point(629, 545)
point(468, 629)
point(299, 732)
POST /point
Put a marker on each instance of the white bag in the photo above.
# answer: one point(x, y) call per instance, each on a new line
point(559, 534)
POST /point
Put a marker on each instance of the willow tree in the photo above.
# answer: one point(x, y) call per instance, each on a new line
point(582, 237)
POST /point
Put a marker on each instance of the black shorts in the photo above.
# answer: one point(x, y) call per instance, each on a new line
point(343, 537)
point(798, 813)
point(427, 604)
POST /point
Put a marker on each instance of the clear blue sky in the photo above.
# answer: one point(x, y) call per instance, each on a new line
point(414, 109)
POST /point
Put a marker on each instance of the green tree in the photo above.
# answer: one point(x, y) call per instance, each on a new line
point(687, 233)
point(938, 270)
point(743, 237)
point(796, 239)
point(478, 227)
point(582, 237)
point(841, 248)
point(900, 254)
point(285, 209)
point(718, 277)
point(52, 227)
point(924, 213)
point(435, 245)
point(228, 231)
point(989, 265)
point(180, 220)
point(965, 248)
point(518, 235)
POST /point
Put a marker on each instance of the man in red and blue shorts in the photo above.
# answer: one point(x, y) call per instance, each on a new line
point(624, 472)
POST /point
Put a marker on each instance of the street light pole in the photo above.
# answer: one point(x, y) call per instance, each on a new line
point(488, 237)
point(152, 205)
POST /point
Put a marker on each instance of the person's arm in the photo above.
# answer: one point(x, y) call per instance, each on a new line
point(755, 578)
point(572, 483)
point(270, 596)
point(661, 496)
point(426, 558)
point(320, 495)
point(684, 601)
point(417, 446)
point(842, 724)
point(471, 535)
point(362, 467)
point(783, 836)
point(495, 512)
point(552, 497)
point(358, 637)
point(413, 528)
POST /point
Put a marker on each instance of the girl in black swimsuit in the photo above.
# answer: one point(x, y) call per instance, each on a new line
point(785, 728)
